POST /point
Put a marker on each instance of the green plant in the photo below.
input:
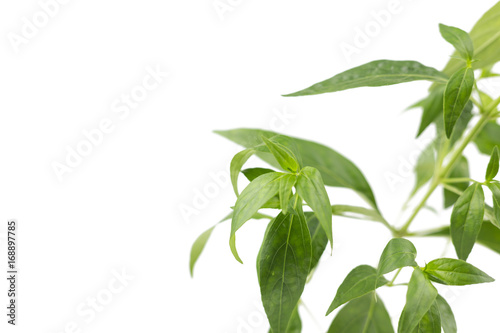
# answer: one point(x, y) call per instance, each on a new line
point(296, 239)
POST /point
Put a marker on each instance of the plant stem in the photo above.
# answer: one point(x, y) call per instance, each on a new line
point(442, 173)
point(390, 284)
point(457, 180)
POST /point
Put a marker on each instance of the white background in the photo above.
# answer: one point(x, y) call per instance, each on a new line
point(119, 209)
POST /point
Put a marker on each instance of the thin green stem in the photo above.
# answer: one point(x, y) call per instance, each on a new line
point(457, 180)
point(390, 284)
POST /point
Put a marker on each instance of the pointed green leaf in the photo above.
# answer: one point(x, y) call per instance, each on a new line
point(335, 169)
point(460, 40)
point(310, 187)
point(253, 173)
point(447, 318)
point(455, 272)
point(425, 167)
point(375, 74)
point(398, 253)
point(430, 322)
point(485, 36)
point(456, 95)
point(285, 192)
point(285, 261)
point(252, 198)
point(488, 138)
point(295, 323)
point(460, 170)
point(319, 240)
point(492, 169)
point(495, 190)
point(419, 299)
point(432, 107)
point(466, 220)
point(283, 155)
point(366, 314)
point(236, 164)
point(461, 124)
point(360, 281)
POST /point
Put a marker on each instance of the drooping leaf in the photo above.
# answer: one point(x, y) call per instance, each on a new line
point(456, 95)
point(310, 187)
point(360, 281)
point(432, 107)
point(425, 167)
point(430, 322)
point(285, 261)
point(375, 74)
point(236, 164)
point(447, 318)
point(485, 37)
point(460, 170)
point(488, 138)
point(253, 173)
point(366, 314)
point(420, 296)
point(251, 199)
point(355, 212)
point(201, 241)
point(335, 169)
point(285, 192)
point(455, 272)
point(466, 220)
point(318, 238)
point(283, 155)
point(492, 169)
point(495, 190)
point(398, 253)
point(460, 40)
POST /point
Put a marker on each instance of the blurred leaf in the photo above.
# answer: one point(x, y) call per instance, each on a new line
point(460, 170)
point(375, 74)
point(425, 167)
point(355, 212)
point(447, 318)
point(495, 190)
point(318, 238)
point(236, 164)
point(488, 138)
point(492, 169)
point(432, 107)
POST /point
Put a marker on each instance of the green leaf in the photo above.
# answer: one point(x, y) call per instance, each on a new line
point(236, 164)
point(495, 190)
point(485, 37)
point(419, 299)
point(310, 187)
point(425, 167)
point(492, 169)
point(488, 138)
point(455, 272)
point(283, 155)
point(295, 324)
point(466, 220)
point(447, 318)
point(253, 173)
point(432, 107)
point(355, 212)
point(252, 198)
point(460, 40)
point(456, 95)
point(285, 192)
point(360, 281)
point(459, 170)
point(285, 262)
point(375, 74)
point(335, 169)
point(366, 314)
point(461, 124)
point(398, 253)
point(319, 240)
point(430, 322)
